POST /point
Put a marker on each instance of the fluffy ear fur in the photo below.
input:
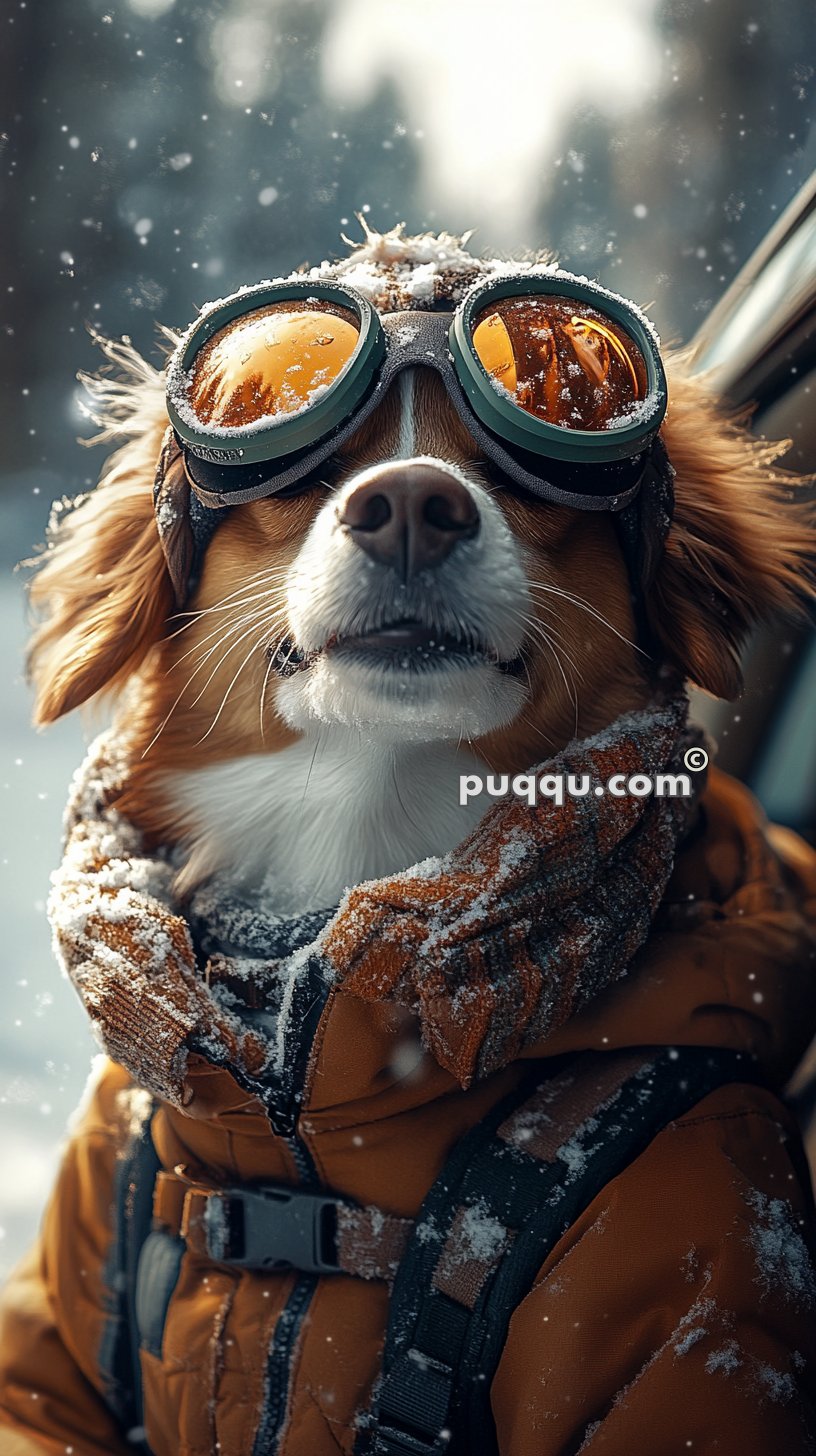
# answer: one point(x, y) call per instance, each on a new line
point(101, 589)
point(740, 548)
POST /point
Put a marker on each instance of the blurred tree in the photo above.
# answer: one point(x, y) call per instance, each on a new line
point(160, 155)
point(669, 204)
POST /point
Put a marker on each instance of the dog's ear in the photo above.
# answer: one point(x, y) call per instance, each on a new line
point(101, 589)
point(741, 547)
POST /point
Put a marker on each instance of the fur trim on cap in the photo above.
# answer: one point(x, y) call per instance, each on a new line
point(395, 270)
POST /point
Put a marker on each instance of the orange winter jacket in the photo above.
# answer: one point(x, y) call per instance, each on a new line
point(677, 1314)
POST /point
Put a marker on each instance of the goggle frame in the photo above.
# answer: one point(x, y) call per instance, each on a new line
point(349, 398)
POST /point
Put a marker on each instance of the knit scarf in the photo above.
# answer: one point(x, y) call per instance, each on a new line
point(491, 946)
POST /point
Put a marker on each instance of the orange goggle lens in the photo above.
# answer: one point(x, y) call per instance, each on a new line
point(272, 361)
point(561, 360)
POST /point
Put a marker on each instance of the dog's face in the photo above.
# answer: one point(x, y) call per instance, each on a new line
point(409, 597)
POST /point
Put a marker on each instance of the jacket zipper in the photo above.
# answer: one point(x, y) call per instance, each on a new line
point(283, 1113)
point(279, 1366)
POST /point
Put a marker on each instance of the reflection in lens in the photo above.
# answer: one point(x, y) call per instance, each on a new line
point(275, 360)
point(561, 360)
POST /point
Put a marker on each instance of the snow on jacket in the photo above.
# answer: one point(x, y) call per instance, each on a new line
point(677, 1313)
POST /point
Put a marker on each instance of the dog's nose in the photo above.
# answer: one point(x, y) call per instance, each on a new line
point(410, 516)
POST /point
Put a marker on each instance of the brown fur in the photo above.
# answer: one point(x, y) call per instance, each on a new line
point(738, 550)
point(103, 588)
point(741, 547)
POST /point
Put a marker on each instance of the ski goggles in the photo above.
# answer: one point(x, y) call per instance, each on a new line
point(559, 382)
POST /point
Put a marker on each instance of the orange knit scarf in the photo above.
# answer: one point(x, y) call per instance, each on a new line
point(491, 947)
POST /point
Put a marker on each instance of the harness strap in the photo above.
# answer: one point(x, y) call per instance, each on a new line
point(275, 1226)
point(508, 1192)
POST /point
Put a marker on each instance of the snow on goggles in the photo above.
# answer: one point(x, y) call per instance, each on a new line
point(560, 383)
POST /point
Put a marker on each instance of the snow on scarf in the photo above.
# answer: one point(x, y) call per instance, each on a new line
point(492, 946)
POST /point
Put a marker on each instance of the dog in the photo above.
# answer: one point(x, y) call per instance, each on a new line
point(377, 1056)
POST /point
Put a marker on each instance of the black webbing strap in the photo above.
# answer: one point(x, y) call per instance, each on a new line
point(118, 1356)
point(493, 1215)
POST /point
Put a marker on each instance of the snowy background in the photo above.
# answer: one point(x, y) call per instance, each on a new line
point(160, 152)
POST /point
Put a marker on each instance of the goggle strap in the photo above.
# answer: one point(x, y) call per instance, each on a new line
point(185, 526)
point(655, 510)
point(642, 529)
point(203, 522)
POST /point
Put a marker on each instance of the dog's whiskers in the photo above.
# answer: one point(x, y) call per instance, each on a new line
point(242, 622)
point(248, 630)
point(235, 599)
point(221, 631)
point(552, 638)
point(271, 658)
point(542, 633)
point(260, 642)
point(244, 625)
point(537, 586)
point(222, 608)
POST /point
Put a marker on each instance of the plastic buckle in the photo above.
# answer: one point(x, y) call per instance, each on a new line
point(274, 1227)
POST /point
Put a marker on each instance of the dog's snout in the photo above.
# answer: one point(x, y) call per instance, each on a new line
point(410, 516)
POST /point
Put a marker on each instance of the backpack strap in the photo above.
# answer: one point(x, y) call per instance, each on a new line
point(508, 1192)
